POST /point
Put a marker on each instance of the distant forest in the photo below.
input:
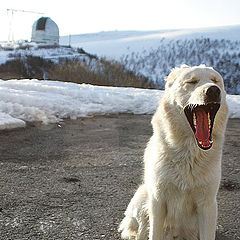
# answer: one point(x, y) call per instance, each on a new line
point(222, 55)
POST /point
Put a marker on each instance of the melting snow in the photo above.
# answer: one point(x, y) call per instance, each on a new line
point(26, 100)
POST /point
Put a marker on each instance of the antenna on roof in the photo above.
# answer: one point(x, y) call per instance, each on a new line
point(10, 13)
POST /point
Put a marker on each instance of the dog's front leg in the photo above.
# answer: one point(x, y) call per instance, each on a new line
point(207, 217)
point(157, 215)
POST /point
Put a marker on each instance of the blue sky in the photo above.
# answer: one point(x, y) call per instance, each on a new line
point(86, 16)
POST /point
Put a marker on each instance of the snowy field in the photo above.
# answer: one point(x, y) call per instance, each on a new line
point(51, 101)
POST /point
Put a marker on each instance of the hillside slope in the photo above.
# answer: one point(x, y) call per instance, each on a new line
point(118, 43)
point(154, 53)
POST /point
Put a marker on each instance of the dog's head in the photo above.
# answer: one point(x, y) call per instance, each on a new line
point(199, 92)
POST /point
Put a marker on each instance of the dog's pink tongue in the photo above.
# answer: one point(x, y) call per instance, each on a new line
point(202, 128)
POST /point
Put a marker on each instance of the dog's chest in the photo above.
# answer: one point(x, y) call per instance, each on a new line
point(181, 207)
point(185, 171)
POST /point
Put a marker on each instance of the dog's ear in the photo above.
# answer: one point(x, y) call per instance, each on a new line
point(173, 75)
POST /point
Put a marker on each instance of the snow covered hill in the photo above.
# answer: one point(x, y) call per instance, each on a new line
point(154, 53)
point(118, 43)
point(38, 50)
point(151, 54)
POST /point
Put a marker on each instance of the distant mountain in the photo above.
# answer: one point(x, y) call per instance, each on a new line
point(152, 54)
point(114, 44)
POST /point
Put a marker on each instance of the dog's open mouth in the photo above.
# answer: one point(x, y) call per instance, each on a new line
point(201, 119)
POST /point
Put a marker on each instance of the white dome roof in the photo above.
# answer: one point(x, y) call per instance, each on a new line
point(45, 30)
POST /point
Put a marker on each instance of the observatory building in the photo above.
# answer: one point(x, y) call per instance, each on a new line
point(46, 31)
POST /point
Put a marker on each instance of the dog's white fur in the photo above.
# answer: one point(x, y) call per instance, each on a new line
point(178, 197)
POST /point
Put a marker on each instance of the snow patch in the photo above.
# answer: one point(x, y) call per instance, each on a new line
point(51, 101)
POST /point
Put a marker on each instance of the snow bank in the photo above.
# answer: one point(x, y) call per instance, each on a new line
point(8, 122)
point(50, 101)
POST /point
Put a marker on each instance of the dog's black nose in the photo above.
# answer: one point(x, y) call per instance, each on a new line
point(213, 94)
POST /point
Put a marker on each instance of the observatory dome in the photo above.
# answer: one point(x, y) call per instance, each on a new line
point(45, 30)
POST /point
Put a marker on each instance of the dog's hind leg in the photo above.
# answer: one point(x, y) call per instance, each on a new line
point(143, 227)
point(135, 223)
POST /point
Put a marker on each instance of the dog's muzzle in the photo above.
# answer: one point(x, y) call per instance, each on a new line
point(201, 117)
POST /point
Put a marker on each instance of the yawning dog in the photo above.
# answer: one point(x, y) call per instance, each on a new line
point(182, 161)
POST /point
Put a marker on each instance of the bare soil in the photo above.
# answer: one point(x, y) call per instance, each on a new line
point(74, 180)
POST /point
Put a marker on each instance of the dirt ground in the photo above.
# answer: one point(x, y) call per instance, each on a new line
point(74, 180)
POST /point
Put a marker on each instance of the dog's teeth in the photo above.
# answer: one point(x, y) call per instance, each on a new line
point(200, 142)
point(209, 120)
point(194, 120)
point(211, 141)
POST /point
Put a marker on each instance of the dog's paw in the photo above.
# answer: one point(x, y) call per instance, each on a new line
point(128, 228)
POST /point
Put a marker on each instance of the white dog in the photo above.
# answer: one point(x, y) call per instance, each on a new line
point(182, 161)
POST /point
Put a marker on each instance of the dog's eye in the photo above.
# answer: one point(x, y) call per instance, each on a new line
point(214, 80)
point(193, 81)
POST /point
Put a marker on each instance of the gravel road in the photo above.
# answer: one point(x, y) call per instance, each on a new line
point(74, 180)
